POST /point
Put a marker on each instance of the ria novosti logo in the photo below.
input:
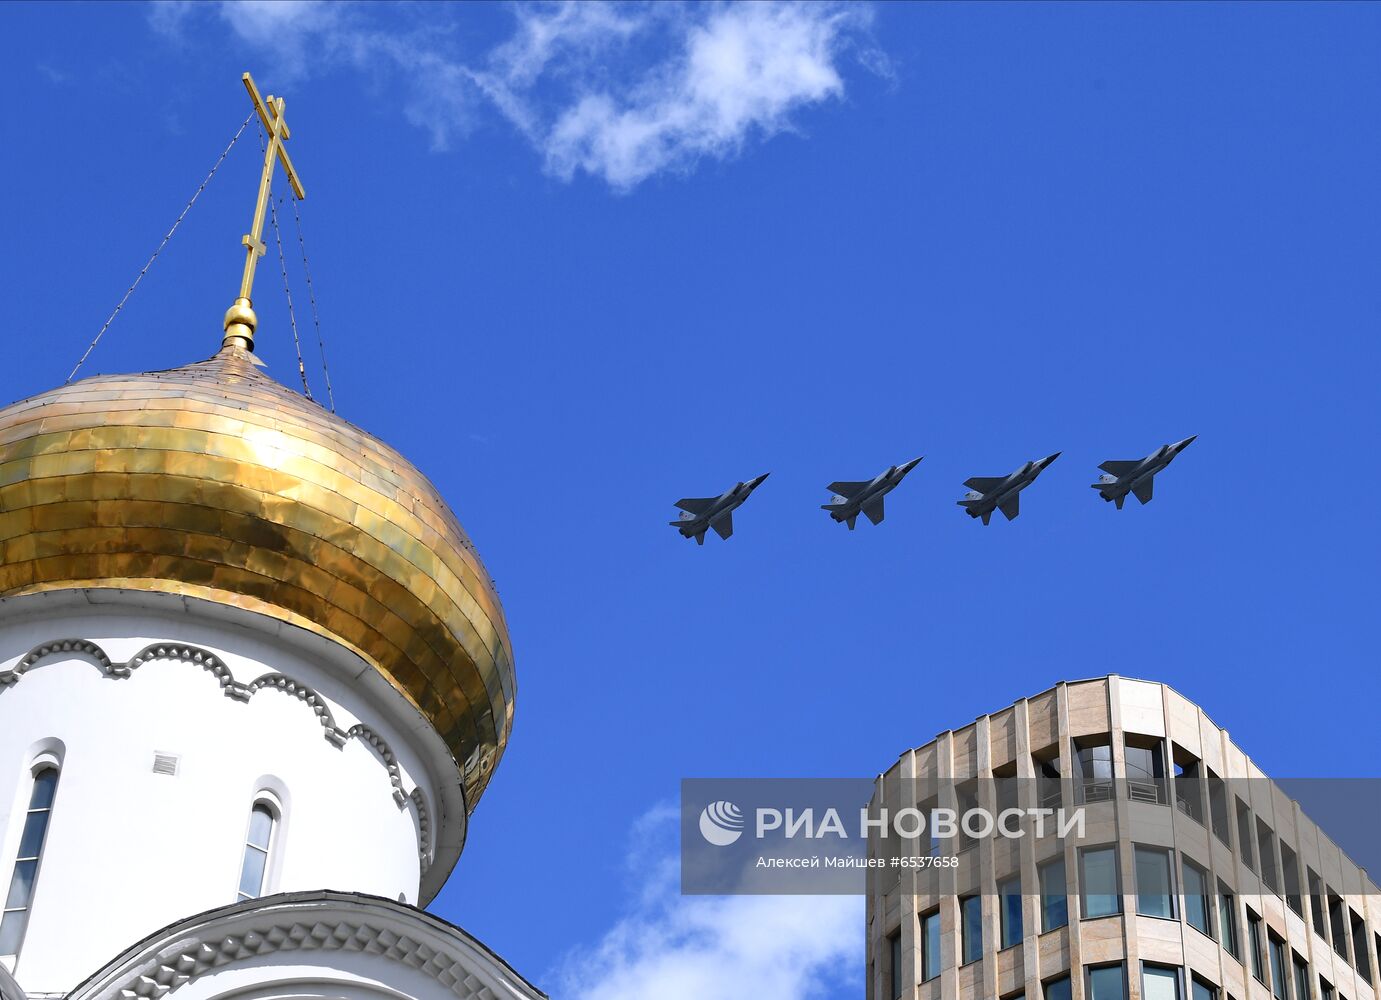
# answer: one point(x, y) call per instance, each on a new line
point(721, 823)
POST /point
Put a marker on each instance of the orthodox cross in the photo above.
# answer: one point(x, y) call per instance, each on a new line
point(240, 320)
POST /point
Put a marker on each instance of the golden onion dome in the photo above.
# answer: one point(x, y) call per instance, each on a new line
point(214, 481)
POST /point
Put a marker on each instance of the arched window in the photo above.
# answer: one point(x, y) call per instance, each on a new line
point(253, 872)
point(21, 893)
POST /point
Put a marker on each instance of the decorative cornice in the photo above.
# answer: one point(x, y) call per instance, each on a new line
point(424, 828)
point(212, 664)
point(306, 922)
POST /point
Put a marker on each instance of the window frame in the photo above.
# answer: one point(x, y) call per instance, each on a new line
point(1167, 858)
point(274, 808)
point(1205, 897)
point(894, 964)
point(1041, 885)
point(1218, 797)
point(1276, 959)
point(1227, 922)
point(1089, 971)
point(1256, 943)
point(966, 931)
point(1003, 912)
point(1176, 972)
point(18, 916)
point(1246, 835)
point(1084, 852)
point(1302, 979)
point(924, 923)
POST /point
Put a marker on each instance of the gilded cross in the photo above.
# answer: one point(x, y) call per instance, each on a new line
point(240, 320)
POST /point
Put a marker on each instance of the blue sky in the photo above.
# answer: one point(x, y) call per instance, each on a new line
point(577, 263)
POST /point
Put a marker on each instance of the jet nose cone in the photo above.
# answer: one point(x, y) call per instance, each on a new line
point(908, 466)
point(1048, 459)
point(1182, 445)
point(759, 481)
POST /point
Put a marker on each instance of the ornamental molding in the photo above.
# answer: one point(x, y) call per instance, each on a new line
point(306, 922)
point(215, 666)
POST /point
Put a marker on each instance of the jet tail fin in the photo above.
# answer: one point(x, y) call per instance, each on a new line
point(1120, 501)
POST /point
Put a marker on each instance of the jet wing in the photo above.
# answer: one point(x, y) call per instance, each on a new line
point(874, 510)
point(724, 526)
point(696, 505)
point(1011, 507)
point(1119, 469)
point(847, 490)
point(985, 484)
point(1143, 490)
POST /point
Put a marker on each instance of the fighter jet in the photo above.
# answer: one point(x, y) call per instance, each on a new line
point(698, 514)
point(1137, 475)
point(851, 498)
point(1002, 492)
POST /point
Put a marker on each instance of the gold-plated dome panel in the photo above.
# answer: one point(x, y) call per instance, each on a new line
point(214, 481)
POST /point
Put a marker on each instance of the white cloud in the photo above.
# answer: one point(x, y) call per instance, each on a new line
point(742, 71)
point(675, 947)
point(617, 91)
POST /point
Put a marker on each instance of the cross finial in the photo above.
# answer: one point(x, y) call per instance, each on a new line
point(240, 320)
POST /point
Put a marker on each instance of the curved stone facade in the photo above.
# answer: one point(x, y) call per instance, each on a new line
point(961, 938)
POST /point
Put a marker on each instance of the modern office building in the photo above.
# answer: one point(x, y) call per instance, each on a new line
point(1196, 877)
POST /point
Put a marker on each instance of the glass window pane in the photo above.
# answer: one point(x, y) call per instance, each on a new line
point(252, 874)
point(1227, 921)
point(22, 885)
point(1009, 910)
point(898, 985)
point(260, 826)
point(1244, 834)
point(11, 931)
point(930, 945)
point(1202, 991)
point(31, 840)
point(1218, 804)
point(1277, 953)
point(1098, 881)
point(1159, 983)
point(1058, 989)
point(971, 913)
point(1106, 983)
point(1054, 904)
point(1254, 942)
point(1301, 980)
point(1196, 905)
point(45, 783)
point(1153, 889)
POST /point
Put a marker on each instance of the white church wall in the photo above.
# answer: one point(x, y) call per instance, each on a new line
point(128, 850)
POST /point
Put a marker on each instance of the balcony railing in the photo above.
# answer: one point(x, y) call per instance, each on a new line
point(1145, 791)
point(1096, 790)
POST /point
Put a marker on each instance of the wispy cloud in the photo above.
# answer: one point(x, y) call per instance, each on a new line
point(620, 92)
point(675, 947)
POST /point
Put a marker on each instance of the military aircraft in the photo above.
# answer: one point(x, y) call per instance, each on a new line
point(866, 497)
point(1002, 492)
point(1137, 475)
point(699, 514)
